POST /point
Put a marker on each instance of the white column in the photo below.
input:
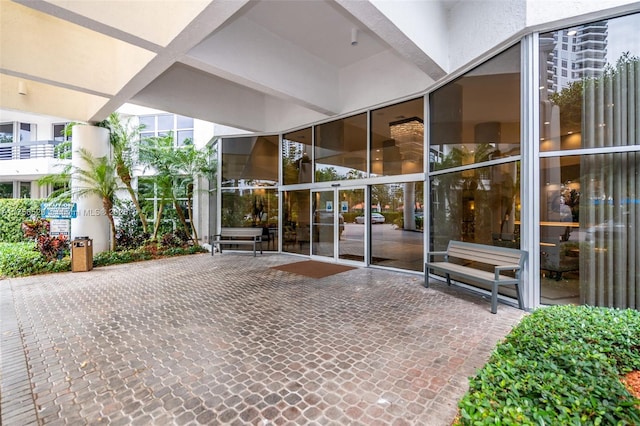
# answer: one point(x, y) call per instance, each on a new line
point(91, 220)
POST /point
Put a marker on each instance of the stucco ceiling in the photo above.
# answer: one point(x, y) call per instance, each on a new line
point(261, 65)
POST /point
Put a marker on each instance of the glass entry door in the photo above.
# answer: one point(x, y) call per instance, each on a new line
point(335, 231)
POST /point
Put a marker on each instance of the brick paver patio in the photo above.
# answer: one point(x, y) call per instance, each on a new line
point(227, 340)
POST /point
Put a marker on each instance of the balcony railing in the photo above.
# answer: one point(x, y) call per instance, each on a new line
point(34, 149)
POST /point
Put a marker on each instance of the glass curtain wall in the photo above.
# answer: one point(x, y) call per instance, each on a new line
point(590, 202)
point(397, 224)
point(397, 139)
point(296, 157)
point(296, 221)
point(474, 156)
point(341, 149)
point(249, 185)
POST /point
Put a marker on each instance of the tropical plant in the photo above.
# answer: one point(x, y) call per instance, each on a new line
point(33, 228)
point(98, 178)
point(175, 170)
point(123, 136)
point(194, 164)
point(129, 232)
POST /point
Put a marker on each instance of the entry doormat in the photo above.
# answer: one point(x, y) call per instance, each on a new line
point(313, 269)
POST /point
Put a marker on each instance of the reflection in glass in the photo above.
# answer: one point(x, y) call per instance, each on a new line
point(476, 117)
point(296, 157)
point(250, 161)
point(479, 205)
point(351, 242)
point(6, 190)
point(584, 97)
point(296, 229)
point(589, 218)
point(323, 224)
point(257, 207)
point(397, 139)
point(341, 149)
point(398, 241)
point(6, 138)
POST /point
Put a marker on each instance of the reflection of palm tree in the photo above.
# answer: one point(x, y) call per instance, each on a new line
point(450, 186)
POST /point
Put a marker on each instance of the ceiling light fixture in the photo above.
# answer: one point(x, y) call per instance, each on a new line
point(409, 137)
point(354, 36)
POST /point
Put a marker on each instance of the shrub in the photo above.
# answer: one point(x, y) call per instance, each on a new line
point(129, 234)
point(177, 238)
point(20, 259)
point(560, 365)
point(14, 211)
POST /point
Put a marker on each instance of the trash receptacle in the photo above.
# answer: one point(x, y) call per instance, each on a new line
point(81, 254)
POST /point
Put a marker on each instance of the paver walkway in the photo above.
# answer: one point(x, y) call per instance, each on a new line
point(227, 340)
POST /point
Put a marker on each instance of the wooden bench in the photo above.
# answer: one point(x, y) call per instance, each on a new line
point(237, 236)
point(472, 258)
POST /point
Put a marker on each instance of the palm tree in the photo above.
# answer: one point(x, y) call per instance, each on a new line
point(122, 138)
point(99, 178)
point(194, 164)
point(176, 168)
point(158, 153)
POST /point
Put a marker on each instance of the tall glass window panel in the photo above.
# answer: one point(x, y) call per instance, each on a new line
point(165, 213)
point(27, 134)
point(213, 190)
point(25, 189)
point(296, 226)
point(595, 104)
point(397, 139)
point(350, 234)
point(6, 189)
point(6, 140)
point(589, 230)
point(476, 118)
point(296, 157)
point(396, 218)
point(148, 123)
point(250, 161)
point(478, 205)
point(251, 208)
point(341, 149)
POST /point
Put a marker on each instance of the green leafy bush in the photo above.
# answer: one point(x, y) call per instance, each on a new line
point(20, 259)
point(14, 211)
point(560, 365)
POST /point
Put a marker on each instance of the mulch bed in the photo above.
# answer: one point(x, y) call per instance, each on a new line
point(632, 382)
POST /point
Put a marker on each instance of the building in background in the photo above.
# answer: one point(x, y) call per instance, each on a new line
point(528, 113)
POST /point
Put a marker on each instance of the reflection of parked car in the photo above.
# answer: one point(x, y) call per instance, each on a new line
point(375, 218)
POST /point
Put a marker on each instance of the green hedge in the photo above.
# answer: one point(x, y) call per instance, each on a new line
point(20, 259)
point(560, 365)
point(14, 211)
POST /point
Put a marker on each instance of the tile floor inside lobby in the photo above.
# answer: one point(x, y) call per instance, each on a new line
point(228, 340)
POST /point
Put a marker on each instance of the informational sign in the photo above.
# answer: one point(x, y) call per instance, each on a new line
point(60, 227)
point(329, 206)
point(59, 215)
point(344, 206)
point(59, 210)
